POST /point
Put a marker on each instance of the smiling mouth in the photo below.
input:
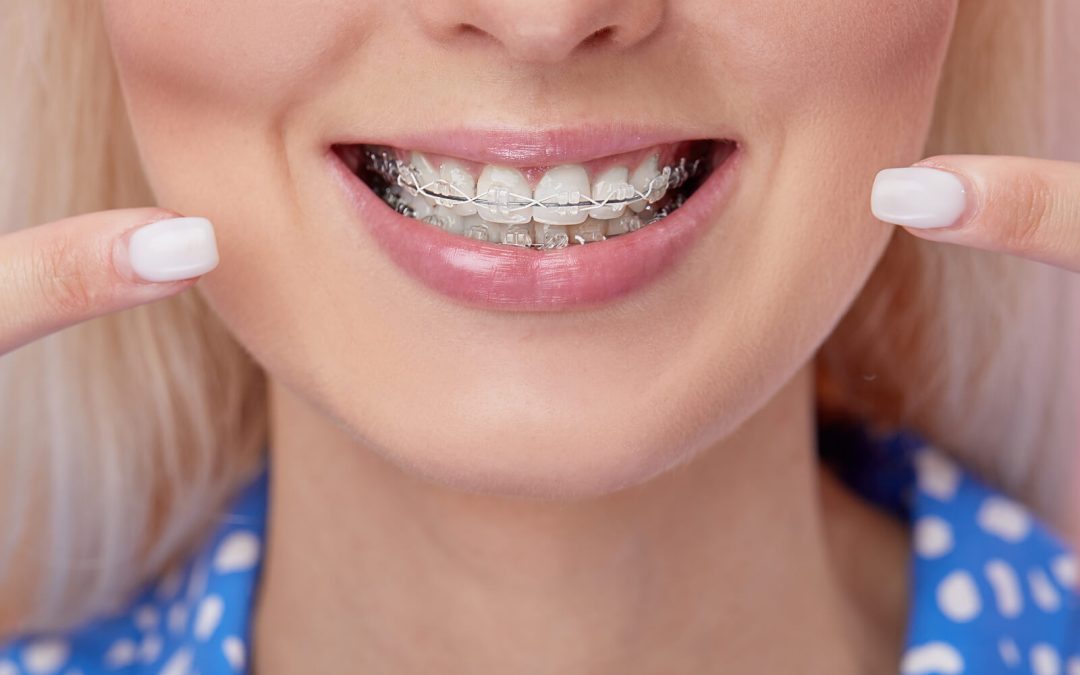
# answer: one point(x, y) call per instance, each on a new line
point(537, 207)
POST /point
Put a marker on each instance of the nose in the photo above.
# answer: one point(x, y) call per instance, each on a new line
point(543, 31)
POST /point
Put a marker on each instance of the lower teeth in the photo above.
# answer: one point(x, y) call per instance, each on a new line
point(390, 179)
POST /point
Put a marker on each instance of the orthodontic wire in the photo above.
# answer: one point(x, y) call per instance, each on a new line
point(405, 175)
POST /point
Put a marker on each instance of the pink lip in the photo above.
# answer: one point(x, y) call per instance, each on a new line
point(538, 147)
point(495, 276)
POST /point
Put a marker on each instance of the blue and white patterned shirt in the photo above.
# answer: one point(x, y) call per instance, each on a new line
point(993, 589)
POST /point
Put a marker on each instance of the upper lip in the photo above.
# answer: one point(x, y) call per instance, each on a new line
point(538, 147)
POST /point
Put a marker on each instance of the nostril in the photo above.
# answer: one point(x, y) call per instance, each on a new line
point(598, 38)
point(469, 33)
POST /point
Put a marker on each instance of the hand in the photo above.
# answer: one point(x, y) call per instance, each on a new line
point(65, 272)
point(1019, 205)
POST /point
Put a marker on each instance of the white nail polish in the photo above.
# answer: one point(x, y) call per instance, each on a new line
point(173, 249)
point(917, 196)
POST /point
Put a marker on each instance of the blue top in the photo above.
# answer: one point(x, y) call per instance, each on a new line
point(993, 590)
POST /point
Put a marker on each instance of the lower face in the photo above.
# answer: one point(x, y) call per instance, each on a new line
point(556, 277)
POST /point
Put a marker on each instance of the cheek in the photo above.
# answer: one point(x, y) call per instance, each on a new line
point(240, 55)
point(799, 59)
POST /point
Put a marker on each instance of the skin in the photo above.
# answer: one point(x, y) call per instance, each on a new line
point(629, 499)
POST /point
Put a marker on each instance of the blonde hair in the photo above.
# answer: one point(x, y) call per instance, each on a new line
point(123, 435)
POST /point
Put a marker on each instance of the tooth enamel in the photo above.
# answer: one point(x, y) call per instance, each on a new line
point(426, 173)
point(483, 230)
point(420, 206)
point(446, 219)
point(518, 235)
point(643, 174)
point(611, 184)
point(458, 182)
point(504, 185)
point(591, 230)
point(499, 207)
point(560, 189)
point(627, 222)
point(551, 235)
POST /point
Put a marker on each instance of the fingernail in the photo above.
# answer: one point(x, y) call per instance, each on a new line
point(917, 196)
point(173, 249)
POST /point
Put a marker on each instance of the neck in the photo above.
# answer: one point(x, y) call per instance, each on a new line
point(707, 568)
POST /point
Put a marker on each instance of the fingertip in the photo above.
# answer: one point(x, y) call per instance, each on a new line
point(171, 249)
point(918, 197)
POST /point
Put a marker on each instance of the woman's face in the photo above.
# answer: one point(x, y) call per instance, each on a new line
point(236, 105)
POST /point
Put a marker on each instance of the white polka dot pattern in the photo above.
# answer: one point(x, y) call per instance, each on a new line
point(235, 654)
point(240, 551)
point(958, 597)
point(121, 653)
point(936, 475)
point(208, 617)
point(45, 657)
point(1002, 578)
point(192, 621)
point(933, 537)
point(935, 658)
point(1065, 569)
point(1004, 518)
point(993, 590)
point(1010, 653)
point(1073, 666)
point(1045, 660)
point(1043, 592)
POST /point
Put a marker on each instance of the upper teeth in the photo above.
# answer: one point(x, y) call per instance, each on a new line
point(563, 196)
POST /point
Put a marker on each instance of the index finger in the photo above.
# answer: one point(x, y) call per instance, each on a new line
point(78, 268)
point(1019, 205)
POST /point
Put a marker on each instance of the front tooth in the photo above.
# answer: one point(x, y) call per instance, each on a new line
point(611, 184)
point(458, 182)
point(642, 176)
point(503, 185)
point(561, 189)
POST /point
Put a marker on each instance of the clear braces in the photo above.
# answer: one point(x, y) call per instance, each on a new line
point(500, 199)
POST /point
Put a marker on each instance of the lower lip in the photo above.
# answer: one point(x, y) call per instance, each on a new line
point(502, 277)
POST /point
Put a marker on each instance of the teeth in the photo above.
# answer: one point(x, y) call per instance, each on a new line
point(504, 186)
point(551, 236)
point(427, 172)
point(560, 190)
point(591, 230)
point(501, 207)
point(477, 228)
point(646, 172)
point(611, 184)
point(518, 235)
point(420, 206)
point(457, 181)
point(445, 218)
point(627, 222)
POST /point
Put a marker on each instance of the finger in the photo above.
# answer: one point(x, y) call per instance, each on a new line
point(1020, 205)
point(56, 275)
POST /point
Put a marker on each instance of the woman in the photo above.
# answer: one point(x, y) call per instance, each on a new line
point(507, 337)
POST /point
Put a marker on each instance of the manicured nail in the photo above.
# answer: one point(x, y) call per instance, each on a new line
point(173, 249)
point(917, 196)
